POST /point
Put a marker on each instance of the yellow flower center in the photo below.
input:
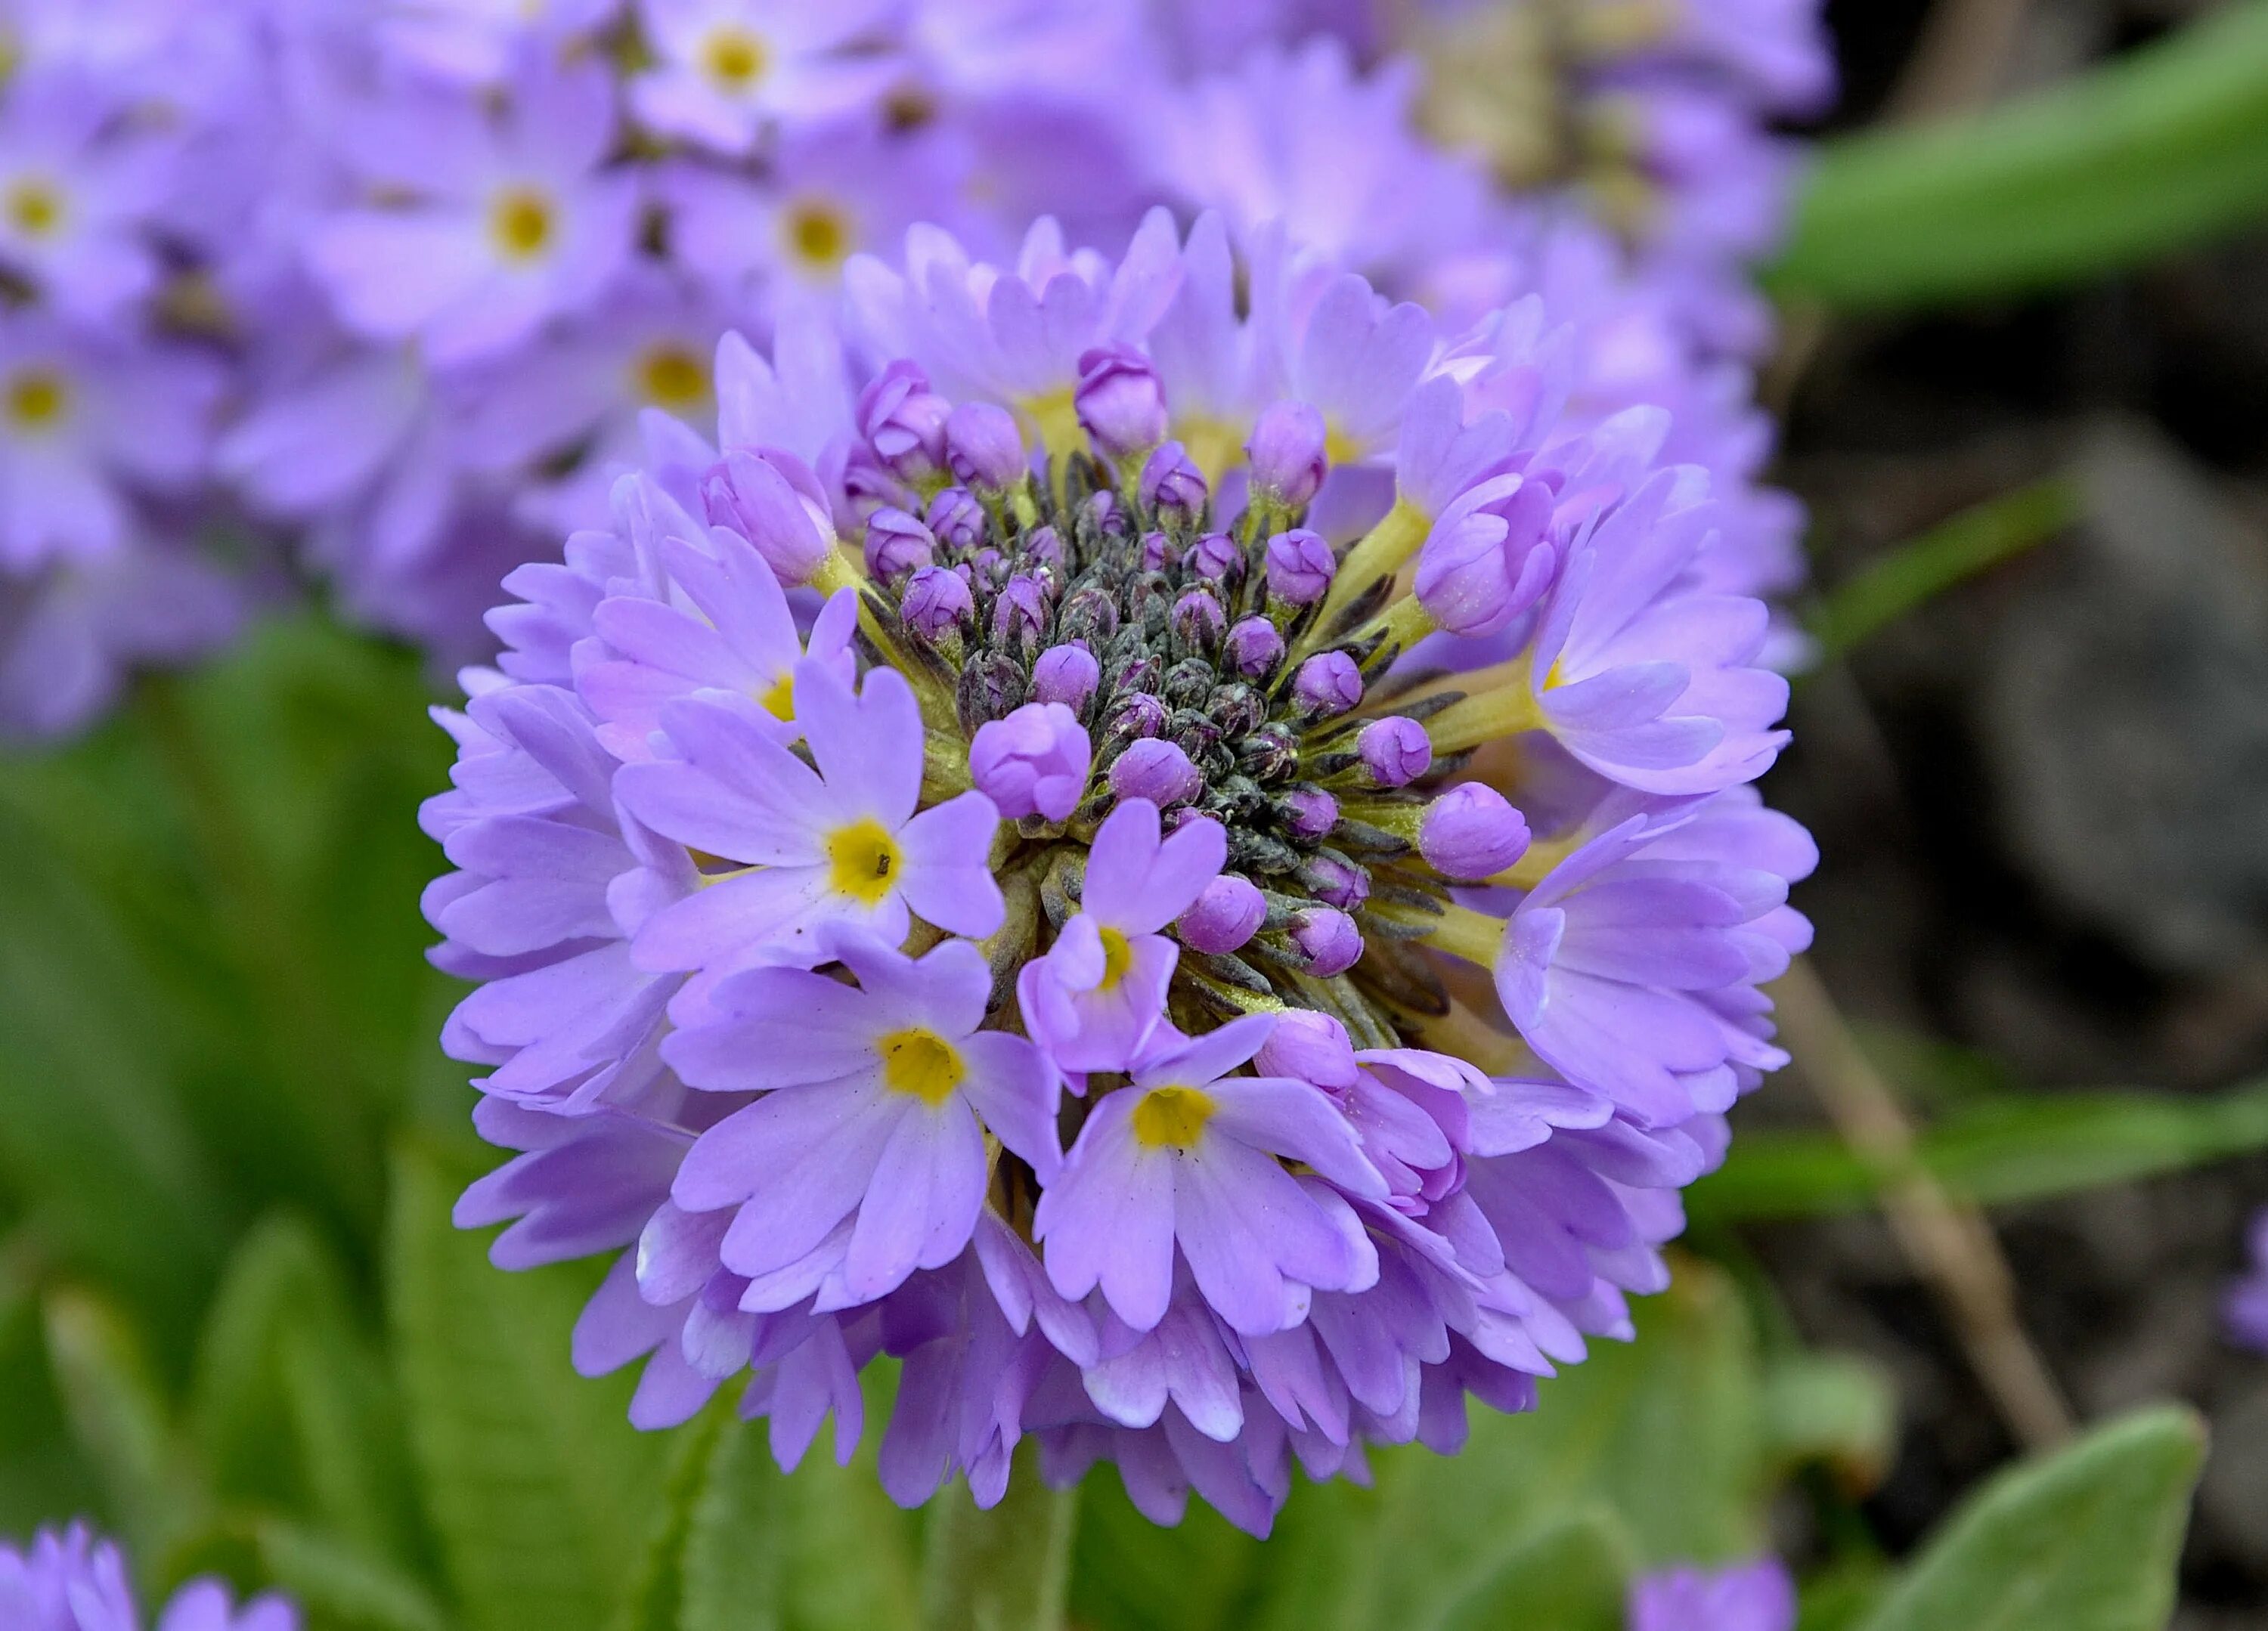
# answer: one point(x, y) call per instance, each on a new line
point(818, 234)
point(863, 859)
point(735, 58)
point(921, 1063)
point(1054, 415)
point(1172, 1118)
point(37, 398)
point(779, 700)
point(520, 222)
point(34, 207)
point(1118, 958)
point(671, 377)
point(1339, 448)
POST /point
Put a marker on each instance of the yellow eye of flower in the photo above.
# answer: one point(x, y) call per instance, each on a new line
point(779, 702)
point(34, 207)
point(735, 58)
point(864, 860)
point(671, 377)
point(921, 1063)
point(522, 222)
point(1118, 958)
point(1172, 1118)
point(818, 234)
point(37, 397)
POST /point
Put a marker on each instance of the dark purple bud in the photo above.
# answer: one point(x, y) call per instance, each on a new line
point(904, 422)
point(1270, 754)
point(1328, 684)
point(935, 601)
point(771, 499)
point(1090, 614)
point(1067, 675)
point(1045, 545)
point(1329, 940)
point(1471, 832)
point(1255, 648)
point(1300, 566)
point(1158, 771)
point(1216, 558)
point(1135, 715)
point(897, 542)
point(983, 447)
point(1171, 481)
point(1032, 762)
point(1312, 811)
point(1308, 1046)
point(987, 566)
point(1226, 915)
point(1336, 883)
point(1019, 611)
point(1120, 402)
point(1286, 453)
point(1395, 751)
point(1103, 509)
point(956, 518)
point(1198, 619)
point(992, 687)
point(1156, 552)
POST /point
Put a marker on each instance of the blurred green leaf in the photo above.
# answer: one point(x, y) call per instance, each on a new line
point(1900, 580)
point(538, 1489)
point(2084, 1539)
point(1838, 1597)
point(1838, 1410)
point(1007, 1569)
point(344, 1585)
point(2163, 148)
point(656, 1600)
point(1994, 1152)
point(1127, 1574)
point(119, 1417)
point(1571, 1575)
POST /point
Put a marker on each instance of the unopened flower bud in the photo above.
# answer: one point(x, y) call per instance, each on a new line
point(897, 542)
point(1043, 546)
point(983, 447)
point(1307, 1046)
point(936, 600)
point(1395, 751)
point(1328, 684)
point(1487, 562)
point(1199, 620)
point(1310, 812)
point(1255, 647)
point(1300, 566)
point(955, 517)
point(1019, 611)
point(1337, 884)
point(771, 499)
point(1067, 675)
point(1471, 833)
point(904, 422)
point(1215, 557)
point(1120, 402)
point(1286, 453)
point(1171, 481)
point(1329, 940)
point(1226, 915)
point(1033, 763)
point(1156, 770)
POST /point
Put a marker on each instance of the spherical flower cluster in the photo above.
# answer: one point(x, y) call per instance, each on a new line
point(990, 865)
point(68, 1580)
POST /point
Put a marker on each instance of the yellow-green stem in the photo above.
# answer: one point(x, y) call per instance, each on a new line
point(1381, 552)
point(1473, 935)
point(1486, 717)
point(1403, 623)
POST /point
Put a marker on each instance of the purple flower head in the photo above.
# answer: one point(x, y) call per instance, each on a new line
point(936, 600)
point(1120, 403)
point(1329, 940)
point(771, 499)
point(1158, 771)
point(904, 422)
point(1286, 451)
point(1471, 832)
point(1227, 914)
point(1172, 483)
point(897, 543)
point(1300, 566)
point(1034, 762)
point(1328, 684)
point(2246, 1302)
point(68, 1580)
point(1067, 675)
point(1395, 751)
point(983, 447)
point(1254, 647)
point(1747, 1597)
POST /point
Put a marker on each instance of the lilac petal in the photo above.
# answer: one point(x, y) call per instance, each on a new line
point(1293, 1119)
point(948, 866)
point(922, 1205)
point(1107, 1220)
point(867, 746)
point(787, 1027)
point(1015, 1090)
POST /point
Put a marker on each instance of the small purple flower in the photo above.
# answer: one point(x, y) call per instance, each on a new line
point(2246, 1305)
point(903, 422)
point(983, 447)
point(724, 67)
point(68, 1580)
point(1471, 832)
point(897, 543)
point(1171, 481)
point(1067, 675)
point(1300, 566)
point(936, 600)
point(1328, 684)
point(1286, 451)
point(1395, 751)
point(1310, 1046)
point(770, 498)
point(1255, 647)
point(1034, 762)
point(865, 1160)
point(1329, 940)
point(1226, 915)
point(1747, 1597)
point(1156, 770)
point(1185, 1159)
point(1120, 403)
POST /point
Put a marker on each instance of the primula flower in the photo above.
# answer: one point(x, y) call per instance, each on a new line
point(724, 67)
point(68, 1580)
point(1133, 797)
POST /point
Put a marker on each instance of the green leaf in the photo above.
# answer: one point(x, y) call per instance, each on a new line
point(120, 1416)
point(1571, 1575)
point(1996, 1151)
point(342, 1585)
point(657, 1595)
point(2086, 1539)
point(1007, 1569)
point(1898, 580)
point(539, 1490)
point(822, 1549)
point(1127, 1574)
point(1835, 1410)
point(2166, 147)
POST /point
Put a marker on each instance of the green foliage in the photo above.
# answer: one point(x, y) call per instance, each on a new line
point(1007, 1569)
point(2083, 1540)
point(2165, 148)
